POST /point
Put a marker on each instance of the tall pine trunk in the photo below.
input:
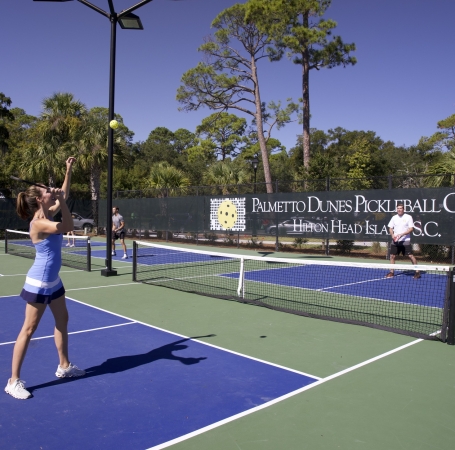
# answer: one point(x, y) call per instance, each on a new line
point(306, 100)
point(260, 129)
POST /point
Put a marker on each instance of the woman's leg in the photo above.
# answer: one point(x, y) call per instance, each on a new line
point(33, 314)
point(64, 369)
point(60, 313)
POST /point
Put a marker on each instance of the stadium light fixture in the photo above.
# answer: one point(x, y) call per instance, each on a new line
point(127, 21)
point(130, 22)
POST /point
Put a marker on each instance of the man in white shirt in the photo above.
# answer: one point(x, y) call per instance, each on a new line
point(401, 226)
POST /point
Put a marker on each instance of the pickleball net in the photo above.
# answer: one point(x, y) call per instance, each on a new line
point(19, 243)
point(356, 293)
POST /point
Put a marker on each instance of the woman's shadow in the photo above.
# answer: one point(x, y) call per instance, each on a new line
point(122, 363)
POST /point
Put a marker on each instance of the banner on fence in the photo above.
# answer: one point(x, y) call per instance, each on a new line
point(347, 215)
point(353, 215)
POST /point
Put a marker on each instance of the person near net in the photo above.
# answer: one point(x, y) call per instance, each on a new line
point(400, 227)
point(71, 239)
point(43, 285)
point(118, 229)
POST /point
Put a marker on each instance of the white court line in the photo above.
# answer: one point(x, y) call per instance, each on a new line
point(280, 399)
point(99, 287)
point(356, 282)
point(61, 271)
point(74, 332)
point(360, 282)
point(196, 340)
point(115, 268)
point(82, 289)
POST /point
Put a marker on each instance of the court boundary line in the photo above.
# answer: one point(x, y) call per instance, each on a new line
point(169, 332)
point(198, 341)
point(81, 289)
point(74, 332)
point(99, 287)
point(279, 399)
point(61, 271)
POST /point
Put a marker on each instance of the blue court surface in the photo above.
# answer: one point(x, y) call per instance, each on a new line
point(78, 243)
point(165, 258)
point(359, 282)
point(144, 386)
point(101, 254)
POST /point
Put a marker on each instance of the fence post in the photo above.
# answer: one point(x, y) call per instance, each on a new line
point(238, 228)
point(451, 318)
point(134, 260)
point(387, 256)
point(327, 241)
point(197, 215)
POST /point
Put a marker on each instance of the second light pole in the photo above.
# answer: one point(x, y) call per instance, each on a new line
point(127, 21)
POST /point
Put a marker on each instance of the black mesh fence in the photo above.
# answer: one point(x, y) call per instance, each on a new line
point(183, 215)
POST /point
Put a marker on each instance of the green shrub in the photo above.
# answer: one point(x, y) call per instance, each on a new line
point(211, 237)
point(434, 252)
point(299, 242)
point(254, 243)
point(344, 246)
point(228, 240)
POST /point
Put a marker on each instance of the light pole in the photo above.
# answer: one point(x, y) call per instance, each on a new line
point(127, 21)
point(255, 164)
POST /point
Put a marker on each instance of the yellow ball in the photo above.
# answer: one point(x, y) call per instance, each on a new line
point(113, 124)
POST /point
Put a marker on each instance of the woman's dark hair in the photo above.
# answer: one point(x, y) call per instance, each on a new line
point(27, 203)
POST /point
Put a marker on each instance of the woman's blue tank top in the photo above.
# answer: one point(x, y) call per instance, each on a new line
point(48, 259)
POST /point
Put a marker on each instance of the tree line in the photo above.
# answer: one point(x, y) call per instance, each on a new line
point(219, 150)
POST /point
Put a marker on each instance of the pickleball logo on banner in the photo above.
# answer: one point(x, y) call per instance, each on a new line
point(227, 214)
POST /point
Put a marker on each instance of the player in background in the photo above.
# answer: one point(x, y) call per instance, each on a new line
point(118, 229)
point(401, 226)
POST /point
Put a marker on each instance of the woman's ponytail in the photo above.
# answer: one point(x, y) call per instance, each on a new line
point(26, 202)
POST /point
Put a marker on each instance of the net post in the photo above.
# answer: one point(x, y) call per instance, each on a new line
point(451, 307)
point(134, 260)
point(89, 255)
point(6, 241)
point(240, 289)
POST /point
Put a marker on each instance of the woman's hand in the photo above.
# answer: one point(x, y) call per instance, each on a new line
point(59, 194)
point(69, 162)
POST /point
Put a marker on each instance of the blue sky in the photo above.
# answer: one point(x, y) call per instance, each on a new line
point(402, 85)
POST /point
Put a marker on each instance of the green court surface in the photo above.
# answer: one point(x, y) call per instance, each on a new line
point(379, 390)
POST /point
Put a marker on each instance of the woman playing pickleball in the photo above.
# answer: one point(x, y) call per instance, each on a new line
point(43, 285)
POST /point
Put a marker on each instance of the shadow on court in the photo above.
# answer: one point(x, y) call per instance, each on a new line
point(123, 363)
